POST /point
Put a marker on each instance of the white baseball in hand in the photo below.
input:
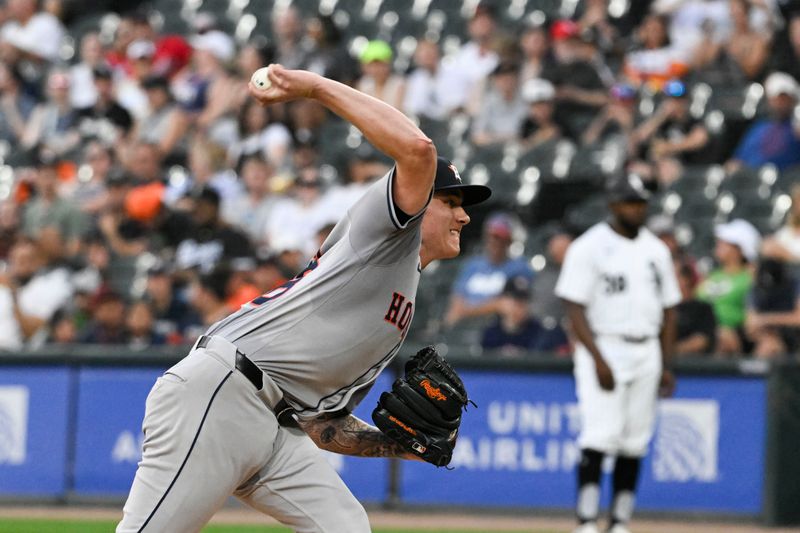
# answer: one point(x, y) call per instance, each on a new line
point(260, 79)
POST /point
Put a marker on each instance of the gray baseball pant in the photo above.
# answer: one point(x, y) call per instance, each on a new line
point(209, 434)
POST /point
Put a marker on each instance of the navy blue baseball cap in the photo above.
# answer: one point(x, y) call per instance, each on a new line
point(448, 179)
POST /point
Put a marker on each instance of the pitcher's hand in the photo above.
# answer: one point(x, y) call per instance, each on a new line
point(286, 85)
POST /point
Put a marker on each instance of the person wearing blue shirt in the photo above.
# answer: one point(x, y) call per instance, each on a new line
point(515, 332)
point(776, 139)
point(483, 277)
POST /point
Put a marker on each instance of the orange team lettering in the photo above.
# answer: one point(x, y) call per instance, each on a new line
point(434, 393)
point(396, 421)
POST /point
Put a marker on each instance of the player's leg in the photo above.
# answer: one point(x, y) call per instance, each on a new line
point(640, 414)
point(601, 427)
point(205, 432)
point(301, 489)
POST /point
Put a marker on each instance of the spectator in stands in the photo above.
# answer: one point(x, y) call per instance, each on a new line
point(165, 123)
point(466, 71)
point(208, 167)
point(16, 106)
point(669, 138)
point(378, 78)
point(773, 316)
point(88, 192)
point(62, 329)
point(105, 119)
point(785, 56)
point(240, 288)
point(212, 92)
point(82, 90)
point(30, 34)
point(737, 59)
point(249, 210)
point(545, 305)
point(482, 278)
point(49, 209)
point(579, 76)
point(616, 120)
point(537, 57)
point(515, 332)
point(365, 166)
point(727, 287)
point(31, 291)
point(287, 27)
point(539, 125)
point(260, 134)
point(139, 325)
point(296, 218)
point(144, 162)
point(774, 139)
point(426, 84)
point(503, 108)
point(171, 52)
point(172, 313)
point(208, 295)
point(595, 18)
point(784, 245)
point(108, 319)
point(139, 66)
point(269, 273)
point(653, 60)
point(9, 226)
point(327, 55)
point(697, 326)
point(211, 239)
point(117, 54)
point(53, 123)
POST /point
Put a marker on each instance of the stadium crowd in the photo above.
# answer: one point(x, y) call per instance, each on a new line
point(144, 196)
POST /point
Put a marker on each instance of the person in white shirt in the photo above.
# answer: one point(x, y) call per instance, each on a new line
point(30, 33)
point(619, 287)
point(30, 294)
point(426, 84)
point(470, 66)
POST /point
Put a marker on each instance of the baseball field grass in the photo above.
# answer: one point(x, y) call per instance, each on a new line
point(61, 526)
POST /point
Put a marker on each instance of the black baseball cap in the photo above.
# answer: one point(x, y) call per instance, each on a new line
point(627, 189)
point(518, 287)
point(448, 179)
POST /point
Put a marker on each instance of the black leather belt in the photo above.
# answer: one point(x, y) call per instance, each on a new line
point(243, 365)
point(283, 411)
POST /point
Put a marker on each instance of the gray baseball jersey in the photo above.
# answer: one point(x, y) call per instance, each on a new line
point(325, 335)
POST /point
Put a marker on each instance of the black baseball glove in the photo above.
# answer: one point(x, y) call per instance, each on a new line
point(422, 412)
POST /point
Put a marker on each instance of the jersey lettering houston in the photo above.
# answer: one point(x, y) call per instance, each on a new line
point(326, 335)
point(625, 284)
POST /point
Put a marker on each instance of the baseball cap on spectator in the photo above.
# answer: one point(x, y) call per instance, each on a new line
point(141, 49)
point(500, 225)
point(103, 296)
point(517, 287)
point(675, 89)
point(143, 203)
point(448, 179)
point(741, 234)
point(628, 188)
point(564, 29)
point(779, 83)
point(218, 43)
point(376, 51)
point(538, 90)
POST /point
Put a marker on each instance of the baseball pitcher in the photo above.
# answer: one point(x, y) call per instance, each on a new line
point(245, 412)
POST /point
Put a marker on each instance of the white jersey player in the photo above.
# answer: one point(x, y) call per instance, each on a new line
point(246, 411)
point(620, 289)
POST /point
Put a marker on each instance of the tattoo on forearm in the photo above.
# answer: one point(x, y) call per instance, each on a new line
point(350, 436)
